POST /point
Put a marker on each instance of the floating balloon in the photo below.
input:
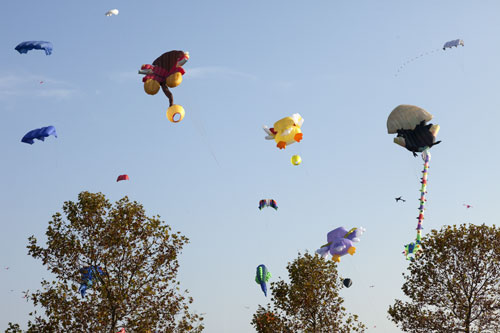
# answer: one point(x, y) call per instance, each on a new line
point(39, 134)
point(286, 131)
point(261, 277)
point(296, 160)
point(340, 242)
point(347, 283)
point(24, 47)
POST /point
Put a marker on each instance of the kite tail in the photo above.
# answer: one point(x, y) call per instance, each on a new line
point(426, 156)
point(264, 288)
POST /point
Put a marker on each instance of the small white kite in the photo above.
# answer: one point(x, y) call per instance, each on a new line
point(112, 12)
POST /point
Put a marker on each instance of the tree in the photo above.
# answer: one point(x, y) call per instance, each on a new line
point(139, 257)
point(309, 303)
point(454, 286)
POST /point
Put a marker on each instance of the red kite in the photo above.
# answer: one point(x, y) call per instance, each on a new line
point(122, 177)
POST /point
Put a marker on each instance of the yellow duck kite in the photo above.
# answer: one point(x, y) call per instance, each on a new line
point(286, 131)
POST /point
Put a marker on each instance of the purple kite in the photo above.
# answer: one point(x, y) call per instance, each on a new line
point(340, 242)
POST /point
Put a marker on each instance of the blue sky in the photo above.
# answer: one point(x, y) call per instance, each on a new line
point(252, 63)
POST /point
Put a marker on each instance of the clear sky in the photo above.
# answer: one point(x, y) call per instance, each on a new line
point(252, 63)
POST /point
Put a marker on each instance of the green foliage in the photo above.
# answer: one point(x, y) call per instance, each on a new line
point(309, 303)
point(454, 286)
point(140, 255)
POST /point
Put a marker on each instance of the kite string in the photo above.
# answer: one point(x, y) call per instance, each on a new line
point(413, 59)
point(203, 134)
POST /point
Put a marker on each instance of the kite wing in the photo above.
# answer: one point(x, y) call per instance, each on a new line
point(24, 47)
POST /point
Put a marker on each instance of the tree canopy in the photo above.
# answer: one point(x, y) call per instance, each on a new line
point(454, 285)
point(139, 257)
point(309, 303)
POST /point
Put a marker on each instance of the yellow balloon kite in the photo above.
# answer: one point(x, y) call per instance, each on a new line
point(296, 160)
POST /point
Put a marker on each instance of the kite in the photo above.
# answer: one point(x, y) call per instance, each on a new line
point(447, 45)
point(453, 43)
point(400, 199)
point(122, 177)
point(347, 283)
point(39, 134)
point(409, 122)
point(413, 134)
point(121, 331)
point(268, 203)
point(166, 72)
point(286, 131)
point(340, 242)
point(467, 206)
point(261, 277)
point(112, 12)
point(296, 160)
point(24, 47)
point(88, 274)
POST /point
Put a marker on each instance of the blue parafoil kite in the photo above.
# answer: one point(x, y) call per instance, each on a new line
point(262, 276)
point(24, 47)
point(89, 274)
point(39, 134)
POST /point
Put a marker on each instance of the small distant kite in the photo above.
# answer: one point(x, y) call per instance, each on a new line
point(24, 47)
point(286, 131)
point(88, 274)
point(112, 12)
point(467, 206)
point(7, 268)
point(453, 43)
point(347, 283)
point(447, 45)
point(400, 199)
point(268, 203)
point(372, 286)
point(41, 82)
point(39, 134)
point(261, 277)
point(340, 242)
point(122, 177)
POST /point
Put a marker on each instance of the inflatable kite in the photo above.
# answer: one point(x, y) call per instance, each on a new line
point(166, 72)
point(262, 276)
point(24, 47)
point(340, 242)
point(347, 283)
point(112, 12)
point(122, 177)
point(409, 122)
point(413, 134)
point(453, 43)
point(286, 131)
point(268, 203)
point(39, 134)
point(89, 274)
point(447, 45)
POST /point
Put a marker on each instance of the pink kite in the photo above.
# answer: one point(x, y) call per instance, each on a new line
point(122, 177)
